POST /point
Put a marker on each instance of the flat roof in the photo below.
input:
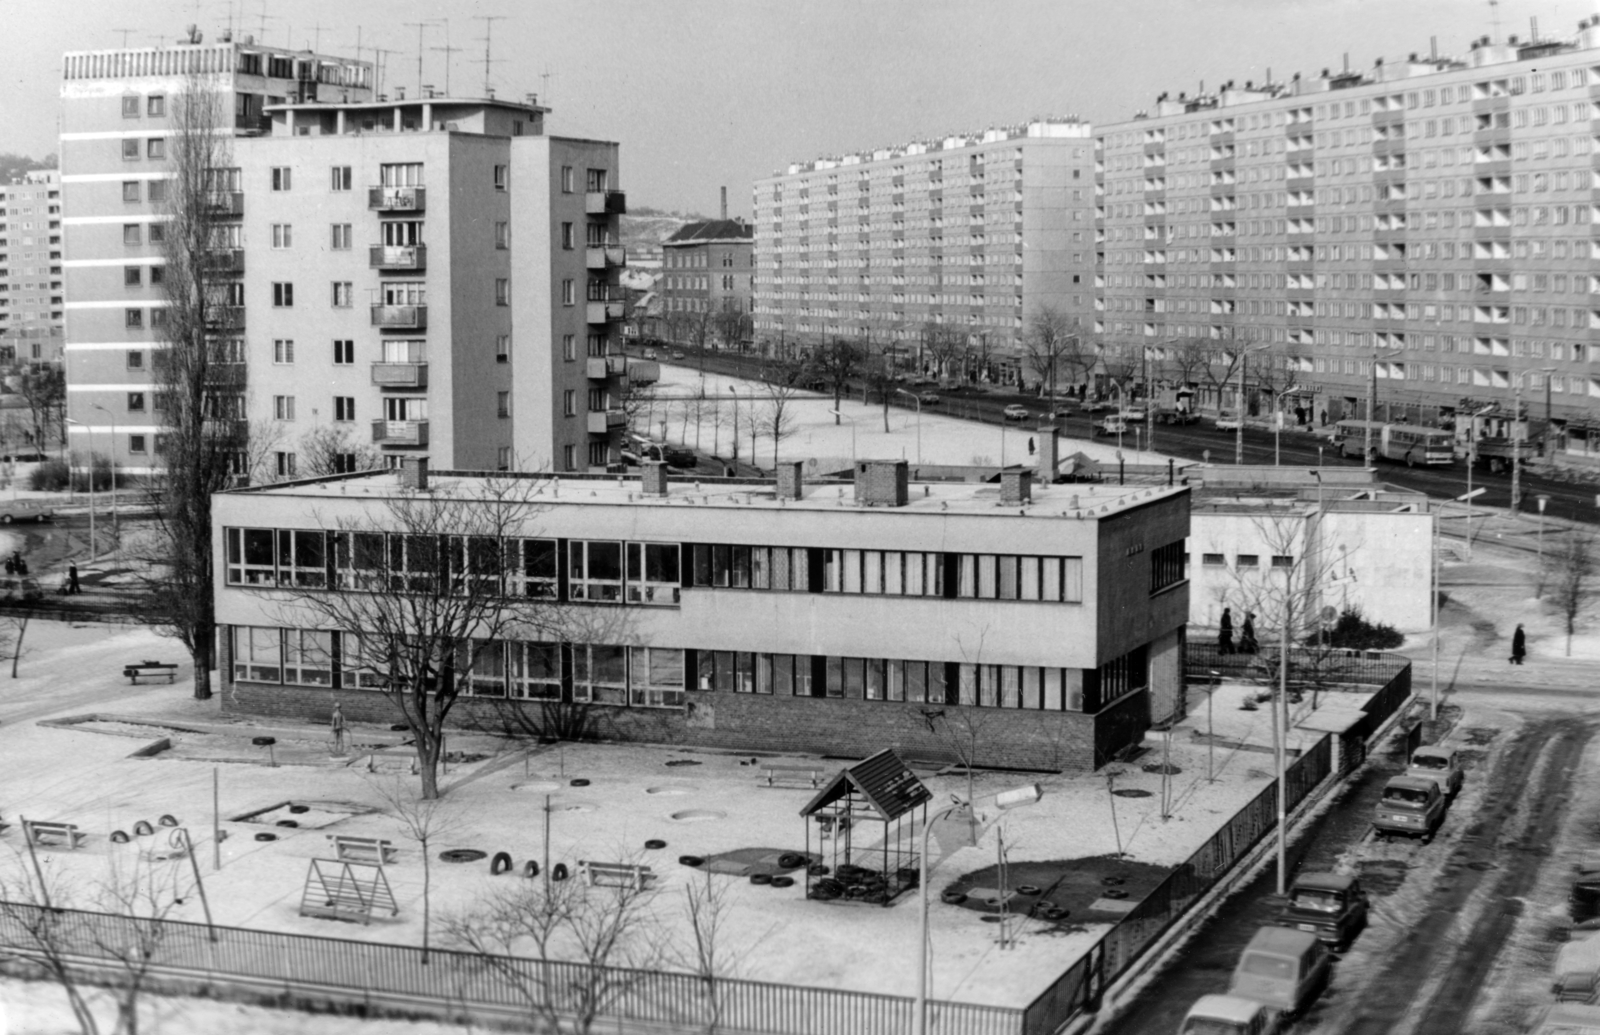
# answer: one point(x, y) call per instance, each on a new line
point(408, 102)
point(1080, 501)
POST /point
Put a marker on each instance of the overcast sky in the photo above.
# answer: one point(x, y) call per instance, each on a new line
point(706, 93)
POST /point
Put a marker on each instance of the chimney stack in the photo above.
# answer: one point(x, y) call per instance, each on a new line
point(1016, 486)
point(882, 483)
point(724, 203)
point(653, 477)
point(791, 480)
point(1049, 453)
point(414, 473)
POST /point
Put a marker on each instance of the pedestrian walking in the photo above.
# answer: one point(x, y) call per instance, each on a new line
point(1247, 635)
point(337, 722)
point(1225, 633)
point(1031, 447)
point(72, 580)
point(1519, 645)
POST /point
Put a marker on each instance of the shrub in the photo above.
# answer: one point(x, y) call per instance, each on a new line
point(1353, 632)
point(49, 476)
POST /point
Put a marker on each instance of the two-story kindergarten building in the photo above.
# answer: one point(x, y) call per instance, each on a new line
point(1045, 623)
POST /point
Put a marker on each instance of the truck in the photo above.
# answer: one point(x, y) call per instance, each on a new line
point(1174, 406)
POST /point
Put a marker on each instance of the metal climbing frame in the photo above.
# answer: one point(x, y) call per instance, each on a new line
point(881, 789)
point(340, 890)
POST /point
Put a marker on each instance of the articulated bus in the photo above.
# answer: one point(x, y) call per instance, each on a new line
point(1407, 443)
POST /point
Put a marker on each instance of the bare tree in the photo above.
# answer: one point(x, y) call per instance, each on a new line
point(1569, 574)
point(878, 373)
point(331, 449)
point(44, 388)
point(430, 585)
point(1186, 360)
point(1221, 368)
point(638, 400)
point(835, 363)
point(32, 909)
point(594, 944)
point(779, 385)
point(425, 822)
point(733, 325)
point(199, 376)
point(1052, 345)
point(942, 345)
point(13, 627)
point(707, 953)
point(1121, 365)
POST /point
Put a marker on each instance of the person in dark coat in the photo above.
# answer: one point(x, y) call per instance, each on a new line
point(1519, 645)
point(1247, 635)
point(72, 579)
point(1225, 633)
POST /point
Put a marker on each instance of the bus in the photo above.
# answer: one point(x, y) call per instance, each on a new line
point(1410, 444)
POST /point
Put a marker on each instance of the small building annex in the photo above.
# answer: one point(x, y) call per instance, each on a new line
point(1041, 625)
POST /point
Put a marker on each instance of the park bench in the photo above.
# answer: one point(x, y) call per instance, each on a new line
point(41, 833)
point(147, 669)
point(362, 849)
point(615, 874)
point(791, 776)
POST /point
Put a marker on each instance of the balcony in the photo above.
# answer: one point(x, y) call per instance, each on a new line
point(400, 317)
point(408, 257)
point(397, 199)
point(605, 203)
point(225, 318)
point(602, 421)
point(225, 203)
point(605, 310)
point(602, 367)
point(400, 432)
point(400, 375)
point(222, 262)
point(600, 257)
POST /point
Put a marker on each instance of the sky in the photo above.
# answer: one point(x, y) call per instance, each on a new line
point(709, 93)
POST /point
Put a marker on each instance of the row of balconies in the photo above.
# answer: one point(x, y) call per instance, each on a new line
point(415, 199)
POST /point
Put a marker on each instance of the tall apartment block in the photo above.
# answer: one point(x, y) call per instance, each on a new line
point(967, 231)
point(425, 277)
point(1427, 225)
point(30, 268)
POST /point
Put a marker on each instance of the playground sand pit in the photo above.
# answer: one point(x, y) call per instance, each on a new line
point(1100, 889)
point(742, 862)
point(311, 815)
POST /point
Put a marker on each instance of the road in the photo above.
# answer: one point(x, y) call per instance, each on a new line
point(1570, 501)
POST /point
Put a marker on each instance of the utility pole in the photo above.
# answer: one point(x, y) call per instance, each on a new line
point(488, 32)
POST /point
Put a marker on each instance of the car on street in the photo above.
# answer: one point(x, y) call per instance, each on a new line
point(1440, 764)
point(649, 353)
point(1215, 1014)
point(1227, 420)
point(1181, 417)
point(1566, 1019)
point(929, 398)
point(1098, 406)
point(1411, 806)
point(1285, 969)
point(677, 354)
point(1016, 411)
point(25, 510)
point(24, 458)
point(1331, 906)
point(1111, 426)
point(1132, 414)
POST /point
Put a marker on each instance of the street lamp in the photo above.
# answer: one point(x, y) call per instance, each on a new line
point(918, 400)
point(1433, 697)
point(1372, 400)
point(116, 523)
point(1005, 801)
point(1542, 500)
point(1238, 432)
point(852, 421)
point(1211, 744)
point(94, 543)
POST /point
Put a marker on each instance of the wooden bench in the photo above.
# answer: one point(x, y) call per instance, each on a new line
point(41, 833)
point(615, 874)
point(363, 849)
point(150, 669)
point(791, 776)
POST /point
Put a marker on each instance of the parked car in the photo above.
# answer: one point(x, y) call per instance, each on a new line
point(677, 354)
point(1227, 420)
point(1098, 406)
point(1329, 905)
point(1411, 806)
point(25, 510)
point(1567, 1019)
point(1111, 426)
point(1132, 414)
point(649, 353)
point(24, 457)
point(1230, 1015)
point(1440, 764)
point(929, 398)
point(1283, 969)
point(1181, 417)
point(1577, 971)
point(1583, 901)
point(1016, 411)
point(678, 456)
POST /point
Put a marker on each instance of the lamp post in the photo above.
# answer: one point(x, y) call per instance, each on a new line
point(852, 421)
point(1372, 401)
point(1541, 499)
point(1211, 744)
point(1238, 432)
point(733, 393)
point(918, 400)
point(116, 523)
point(1004, 801)
point(94, 542)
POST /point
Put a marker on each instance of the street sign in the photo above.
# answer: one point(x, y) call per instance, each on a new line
point(1329, 613)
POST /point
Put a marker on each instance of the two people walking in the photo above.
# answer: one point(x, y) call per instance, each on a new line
point(1247, 634)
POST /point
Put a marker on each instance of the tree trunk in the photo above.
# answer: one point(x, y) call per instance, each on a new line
point(837, 397)
point(886, 411)
point(16, 650)
point(204, 657)
point(428, 761)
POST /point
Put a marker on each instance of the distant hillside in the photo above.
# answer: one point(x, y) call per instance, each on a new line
point(15, 165)
point(644, 226)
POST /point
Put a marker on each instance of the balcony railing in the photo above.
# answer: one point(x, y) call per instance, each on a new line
point(225, 318)
point(605, 203)
point(602, 421)
point(225, 202)
point(399, 256)
point(400, 375)
point(604, 312)
point(222, 261)
point(598, 257)
point(602, 367)
point(400, 432)
point(400, 317)
point(397, 199)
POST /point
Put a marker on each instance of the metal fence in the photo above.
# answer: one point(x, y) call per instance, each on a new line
point(1308, 666)
point(454, 983)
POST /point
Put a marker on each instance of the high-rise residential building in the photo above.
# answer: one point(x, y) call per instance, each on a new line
point(424, 277)
point(969, 232)
point(1419, 232)
point(706, 281)
point(30, 268)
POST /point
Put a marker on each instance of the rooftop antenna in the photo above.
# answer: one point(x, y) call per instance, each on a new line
point(379, 66)
point(316, 38)
point(488, 21)
point(544, 84)
point(1494, 20)
point(420, 27)
point(125, 34)
point(447, 50)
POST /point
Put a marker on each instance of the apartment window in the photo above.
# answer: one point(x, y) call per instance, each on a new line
point(283, 351)
point(280, 177)
point(502, 234)
point(502, 404)
point(781, 568)
point(136, 444)
point(653, 573)
point(569, 403)
point(502, 348)
point(344, 352)
point(282, 295)
point(155, 148)
point(132, 276)
point(600, 674)
point(158, 233)
point(1004, 577)
point(502, 458)
point(135, 402)
point(566, 179)
point(282, 235)
point(135, 359)
point(569, 292)
point(158, 319)
point(156, 190)
point(130, 190)
point(344, 407)
point(595, 180)
point(130, 150)
point(283, 407)
point(502, 175)
point(132, 233)
point(1248, 560)
point(133, 319)
point(569, 457)
point(342, 236)
point(285, 464)
point(339, 178)
point(595, 571)
point(1167, 565)
point(566, 235)
point(343, 294)
point(130, 107)
point(1213, 560)
point(156, 106)
point(502, 291)
point(569, 347)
